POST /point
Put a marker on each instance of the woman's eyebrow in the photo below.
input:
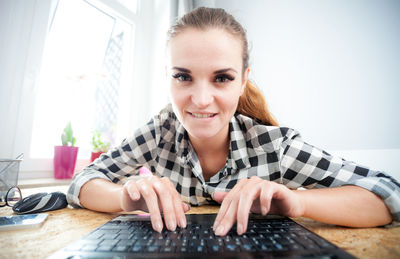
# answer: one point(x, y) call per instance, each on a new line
point(182, 69)
point(225, 70)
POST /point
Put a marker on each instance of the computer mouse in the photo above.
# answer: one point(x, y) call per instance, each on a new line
point(41, 202)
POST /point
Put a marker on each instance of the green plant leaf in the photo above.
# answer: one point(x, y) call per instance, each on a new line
point(67, 137)
point(64, 140)
point(98, 144)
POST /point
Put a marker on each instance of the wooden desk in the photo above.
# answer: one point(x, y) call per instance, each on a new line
point(68, 225)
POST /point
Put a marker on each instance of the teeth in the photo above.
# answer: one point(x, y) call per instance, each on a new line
point(202, 115)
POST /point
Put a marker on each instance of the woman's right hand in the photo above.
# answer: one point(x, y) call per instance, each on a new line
point(155, 195)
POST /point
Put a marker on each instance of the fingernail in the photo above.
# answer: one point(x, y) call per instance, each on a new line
point(158, 227)
point(239, 228)
point(263, 210)
point(183, 223)
point(220, 230)
point(135, 196)
point(171, 225)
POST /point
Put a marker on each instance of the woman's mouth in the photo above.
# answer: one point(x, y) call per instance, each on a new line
point(202, 115)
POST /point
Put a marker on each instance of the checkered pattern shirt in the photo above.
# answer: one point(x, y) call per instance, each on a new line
point(272, 153)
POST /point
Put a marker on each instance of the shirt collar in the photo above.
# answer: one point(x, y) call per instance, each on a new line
point(238, 157)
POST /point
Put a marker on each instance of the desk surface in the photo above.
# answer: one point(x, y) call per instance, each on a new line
point(68, 225)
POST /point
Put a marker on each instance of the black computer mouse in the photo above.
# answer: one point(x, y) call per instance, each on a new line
point(41, 202)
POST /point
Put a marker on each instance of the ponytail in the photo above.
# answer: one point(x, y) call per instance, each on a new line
point(252, 104)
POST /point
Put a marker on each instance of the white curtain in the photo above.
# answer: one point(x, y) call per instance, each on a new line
point(23, 29)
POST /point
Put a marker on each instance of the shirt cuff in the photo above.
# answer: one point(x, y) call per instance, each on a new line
point(77, 183)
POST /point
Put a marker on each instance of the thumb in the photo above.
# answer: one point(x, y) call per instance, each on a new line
point(219, 196)
point(186, 207)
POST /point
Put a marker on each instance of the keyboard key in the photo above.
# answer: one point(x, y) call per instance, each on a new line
point(201, 249)
point(109, 242)
point(232, 248)
point(152, 249)
point(120, 248)
point(127, 242)
point(168, 249)
point(104, 248)
point(124, 236)
point(182, 249)
point(215, 248)
point(95, 235)
point(264, 248)
point(137, 248)
point(248, 248)
point(89, 248)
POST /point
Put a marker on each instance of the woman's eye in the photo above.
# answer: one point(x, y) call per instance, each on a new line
point(182, 77)
point(223, 78)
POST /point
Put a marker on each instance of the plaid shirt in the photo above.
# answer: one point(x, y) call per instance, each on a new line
point(272, 153)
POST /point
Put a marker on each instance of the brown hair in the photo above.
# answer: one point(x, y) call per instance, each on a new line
point(252, 102)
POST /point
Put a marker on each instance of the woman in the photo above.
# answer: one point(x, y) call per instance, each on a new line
point(218, 142)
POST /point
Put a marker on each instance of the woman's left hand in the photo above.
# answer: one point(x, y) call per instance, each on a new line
point(254, 195)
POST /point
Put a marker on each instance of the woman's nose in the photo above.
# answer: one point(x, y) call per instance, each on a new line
point(202, 95)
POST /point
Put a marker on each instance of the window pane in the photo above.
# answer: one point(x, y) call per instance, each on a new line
point(80, 77)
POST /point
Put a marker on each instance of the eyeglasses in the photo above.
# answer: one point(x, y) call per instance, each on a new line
point(12, 196)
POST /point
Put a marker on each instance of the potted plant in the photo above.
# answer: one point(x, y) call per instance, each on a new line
point(99, 146)
point(65, 155)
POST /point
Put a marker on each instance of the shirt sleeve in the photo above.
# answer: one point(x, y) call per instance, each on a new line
point(303, 165)
point(119, 163)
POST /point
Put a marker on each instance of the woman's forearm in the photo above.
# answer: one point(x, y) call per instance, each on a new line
point(101, 195)
point(350, 206)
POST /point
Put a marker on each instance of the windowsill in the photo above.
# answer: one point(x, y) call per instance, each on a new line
point(43, 182)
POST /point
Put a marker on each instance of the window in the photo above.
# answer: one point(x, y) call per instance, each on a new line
point(85, 73)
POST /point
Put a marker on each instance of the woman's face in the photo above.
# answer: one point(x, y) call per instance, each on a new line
point(205, 69)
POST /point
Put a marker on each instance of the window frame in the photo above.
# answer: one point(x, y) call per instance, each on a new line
point(33, 168)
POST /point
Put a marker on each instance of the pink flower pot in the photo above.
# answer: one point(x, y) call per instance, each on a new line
point(64, 161)
point(95, 155)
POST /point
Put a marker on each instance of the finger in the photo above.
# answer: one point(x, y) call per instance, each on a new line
point(248, 194)
point(228, 220)
point(226, 201)
point(177, 203)
point(133, 191)
point(186, 207)
point(167, 204)
point(150, 196)
point(219, 196)
point(223, 209)
point(266, 197)
point(126, 201)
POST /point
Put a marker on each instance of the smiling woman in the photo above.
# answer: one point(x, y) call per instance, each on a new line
point(201, 149)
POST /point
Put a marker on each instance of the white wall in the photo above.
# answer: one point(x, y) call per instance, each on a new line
point(330, 69)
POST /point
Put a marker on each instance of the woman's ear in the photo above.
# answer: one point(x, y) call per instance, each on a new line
point(244, 80)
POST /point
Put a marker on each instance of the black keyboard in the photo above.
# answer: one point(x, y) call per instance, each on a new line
point(273, 236)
